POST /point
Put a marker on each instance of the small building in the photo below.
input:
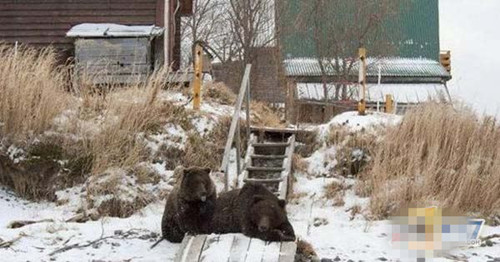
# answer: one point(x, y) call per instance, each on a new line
point(44, 23)
point(119, 54)
point(409, 80)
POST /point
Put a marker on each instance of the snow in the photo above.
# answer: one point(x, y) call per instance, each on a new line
point(113, 30)
point(334, 231)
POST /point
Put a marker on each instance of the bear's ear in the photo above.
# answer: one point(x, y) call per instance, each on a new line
point(258, 198)
point(179, 172)
point(282, 203)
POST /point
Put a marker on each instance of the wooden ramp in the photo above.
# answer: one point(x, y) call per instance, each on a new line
point(233, 248)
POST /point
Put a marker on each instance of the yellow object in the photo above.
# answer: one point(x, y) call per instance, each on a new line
point(198, 73)
point(389, 104)
point(445, 59)
point(362, 81)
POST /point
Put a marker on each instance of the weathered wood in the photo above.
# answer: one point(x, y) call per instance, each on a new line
point(265, 169)
point(234, 122)
point(263, 180)
point(239, 248)
point(215, 246)
point(287, 251)
point(287, 165)
point(271, 144)
point(269, 156)
point(114, 69)
point(255, 250)
point(271, 252)
point(194, 249)
point(186, 242)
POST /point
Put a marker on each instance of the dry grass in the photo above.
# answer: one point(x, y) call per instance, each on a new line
point(334, 189)
point(262, 115)
point(305, 252)
point(219, 92)
point(438, 154)
point(354, 149)
point(32, 91)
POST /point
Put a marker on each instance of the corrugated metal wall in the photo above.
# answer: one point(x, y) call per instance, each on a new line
point(43, 22)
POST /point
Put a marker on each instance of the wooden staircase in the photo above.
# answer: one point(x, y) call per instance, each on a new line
point(268, 159)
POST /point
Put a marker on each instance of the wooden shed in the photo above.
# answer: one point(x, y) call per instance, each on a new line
point(409, 80)
point(119, 54)
point(43, 23)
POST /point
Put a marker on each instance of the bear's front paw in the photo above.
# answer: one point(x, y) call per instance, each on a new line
point(282, 236)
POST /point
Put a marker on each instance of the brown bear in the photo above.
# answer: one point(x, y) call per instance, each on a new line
point(254, 211)
point(190, 205)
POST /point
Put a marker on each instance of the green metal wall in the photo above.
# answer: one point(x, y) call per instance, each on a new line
point(414, 31)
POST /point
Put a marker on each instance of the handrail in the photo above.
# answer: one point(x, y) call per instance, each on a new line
point(235, 126)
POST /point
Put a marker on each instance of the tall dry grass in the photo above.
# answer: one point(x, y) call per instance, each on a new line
point(438, 155)
point(31, 90)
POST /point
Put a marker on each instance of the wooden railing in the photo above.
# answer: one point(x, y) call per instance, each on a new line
point(235, 129)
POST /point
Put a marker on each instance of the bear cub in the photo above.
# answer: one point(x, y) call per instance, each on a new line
point(254, 211)
point(190, 206)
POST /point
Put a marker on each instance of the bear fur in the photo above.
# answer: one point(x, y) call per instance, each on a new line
point(190, 205)
point(254, 211)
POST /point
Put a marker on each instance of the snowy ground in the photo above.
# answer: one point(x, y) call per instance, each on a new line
point(333, 231)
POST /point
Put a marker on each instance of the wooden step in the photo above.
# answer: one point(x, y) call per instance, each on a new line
point(270, 144)
point(265, 169)
point(268, 156)
point(259, 180)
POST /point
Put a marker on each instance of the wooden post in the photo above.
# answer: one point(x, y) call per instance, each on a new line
point(238, 151)
point(248, 109)
point(389, 104)
point(362, 81)
point(198, 74)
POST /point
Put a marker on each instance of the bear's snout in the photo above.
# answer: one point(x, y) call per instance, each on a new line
point(264, 224)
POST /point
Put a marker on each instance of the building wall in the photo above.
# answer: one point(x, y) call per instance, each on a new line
point(264, 78)
point(46, 22)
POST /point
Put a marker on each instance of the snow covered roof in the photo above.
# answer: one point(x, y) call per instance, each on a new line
point(113, 30)
point(389, 67)
point(402, 93)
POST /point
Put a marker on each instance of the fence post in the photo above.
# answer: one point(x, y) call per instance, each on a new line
point(388, 104)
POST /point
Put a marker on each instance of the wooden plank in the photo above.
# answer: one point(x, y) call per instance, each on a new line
point(255, 250)
point(110, 69)
point(265, 169)
point(287, 165)
point(271, 252)
point(186, 241)
point(239, 248)
point(217, 248)
point(77, 13)
point(119, 19)
point(234, 122)
point(258, 180)
point(287, 251)
point(194, 249)
point(271, 144)
point(269, 156)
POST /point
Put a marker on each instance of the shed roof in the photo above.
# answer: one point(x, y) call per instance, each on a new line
point(386, 67)
point(402, 93)
point(113, 30)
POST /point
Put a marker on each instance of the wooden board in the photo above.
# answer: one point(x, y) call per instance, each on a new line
point(255, 250)
point(271, 252)
point(191, 250)
point(287, 251)
point(239, 248)
point(216, 246)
